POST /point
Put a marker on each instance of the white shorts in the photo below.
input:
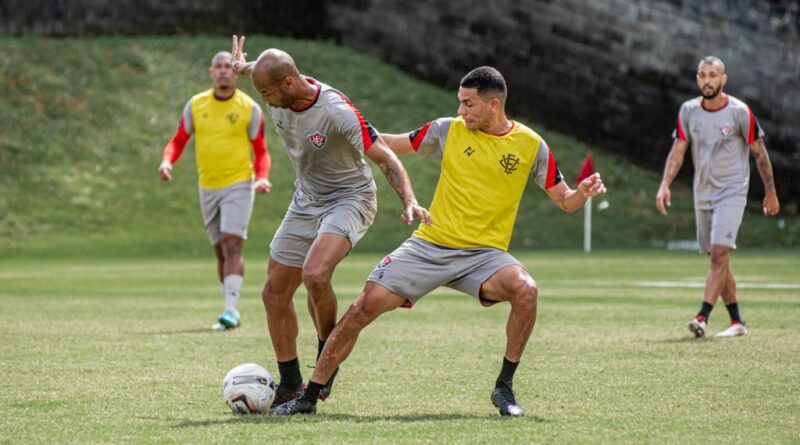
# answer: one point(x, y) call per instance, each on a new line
point(227, 210)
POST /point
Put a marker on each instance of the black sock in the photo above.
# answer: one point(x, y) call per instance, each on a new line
point(290, 374)
point(733, 310)
point(705, 311)
point(506, 374)
point(320, 345)
point(312, 391)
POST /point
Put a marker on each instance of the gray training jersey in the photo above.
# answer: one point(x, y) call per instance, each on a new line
point(326, 142)
point(719, 138)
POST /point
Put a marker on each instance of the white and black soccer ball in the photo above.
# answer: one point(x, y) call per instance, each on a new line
point(248, 389)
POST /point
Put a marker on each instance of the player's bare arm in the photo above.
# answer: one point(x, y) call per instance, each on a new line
point(570, 200)
point(673, 165)
point(771, 204)
point(398, 178)
point(399, 143)
point(239, 63)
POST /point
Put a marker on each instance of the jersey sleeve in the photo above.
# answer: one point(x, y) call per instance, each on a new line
point(430, 138)
point(255, 132)
point(175, 146)
point(349, 121)
point(681, 125)
point(545, 169)
point(751, 129)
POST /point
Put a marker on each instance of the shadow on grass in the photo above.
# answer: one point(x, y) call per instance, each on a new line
point(687, 340)
point(177, 332)
point(352, 418)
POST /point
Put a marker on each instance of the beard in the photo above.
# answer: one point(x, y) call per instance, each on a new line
point(714, 92)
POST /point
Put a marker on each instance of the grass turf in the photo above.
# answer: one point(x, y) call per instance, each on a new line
point(119, 351)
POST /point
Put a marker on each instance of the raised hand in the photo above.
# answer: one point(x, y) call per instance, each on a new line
point(239, 62)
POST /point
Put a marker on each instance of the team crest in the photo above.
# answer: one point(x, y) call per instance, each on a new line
point(385, 262)
point(726, 130)
point(509, 163)
point(318, 139)
point(233, 117)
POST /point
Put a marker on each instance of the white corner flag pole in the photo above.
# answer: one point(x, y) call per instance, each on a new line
point(587, 225)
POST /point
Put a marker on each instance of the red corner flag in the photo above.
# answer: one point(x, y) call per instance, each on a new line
point(587, 169)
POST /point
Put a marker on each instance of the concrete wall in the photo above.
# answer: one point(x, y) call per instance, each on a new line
point(612, 72)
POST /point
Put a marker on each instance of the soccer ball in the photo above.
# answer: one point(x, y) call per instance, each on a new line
point(248, 389)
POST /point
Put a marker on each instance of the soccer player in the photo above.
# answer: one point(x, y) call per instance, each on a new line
point(720, 128)
point(334, 203)
point(228, 123)
point(487, 161)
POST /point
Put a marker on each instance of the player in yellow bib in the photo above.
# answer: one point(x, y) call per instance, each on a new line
point(487, 161)
point(227, 124)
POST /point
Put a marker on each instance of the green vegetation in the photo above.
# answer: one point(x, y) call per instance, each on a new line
point(83, 123)
point(119, 351)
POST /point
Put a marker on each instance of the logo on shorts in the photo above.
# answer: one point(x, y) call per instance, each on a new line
point(509, 163)
point(318, 139)
point(726, 130)
point(385, 262)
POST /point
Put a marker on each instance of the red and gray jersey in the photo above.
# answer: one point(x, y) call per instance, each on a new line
point(720, 140)
point(326, 141)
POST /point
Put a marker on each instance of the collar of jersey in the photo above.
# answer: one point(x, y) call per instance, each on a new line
point(703, 104)
point(314, 100)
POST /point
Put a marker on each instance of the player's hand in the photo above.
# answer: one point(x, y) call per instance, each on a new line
point(415, 211)
point(592, 186)
point(663, 196)
point(239, 62)
point(262, 185)
point(165, 171)
point(771, 204)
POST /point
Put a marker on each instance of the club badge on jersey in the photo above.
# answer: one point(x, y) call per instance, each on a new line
point(317, 139)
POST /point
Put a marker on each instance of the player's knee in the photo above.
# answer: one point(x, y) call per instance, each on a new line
point(231, 245)
point(526, 295)
point(315, 277)
point(719, 256)
point(361, 314)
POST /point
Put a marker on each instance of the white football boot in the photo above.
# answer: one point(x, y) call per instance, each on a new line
point(734, 330)
point(698, 327)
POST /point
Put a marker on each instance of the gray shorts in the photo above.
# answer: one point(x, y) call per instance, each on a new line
point(418, 267)
point(349, 217)
point(718, 225)
point(227, 210)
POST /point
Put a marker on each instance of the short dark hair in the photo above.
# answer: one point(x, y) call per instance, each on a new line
point(487, 80)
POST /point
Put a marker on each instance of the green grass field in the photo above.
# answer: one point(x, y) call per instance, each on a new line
point(119, 351)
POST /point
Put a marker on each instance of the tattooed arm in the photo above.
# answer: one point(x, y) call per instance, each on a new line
point(771, 205)
point(398, 178)
point(674, 162)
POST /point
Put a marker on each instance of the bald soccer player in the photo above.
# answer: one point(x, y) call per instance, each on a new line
point(327, 139)
point(487, 162)
point(227, 124)
point(722, 131)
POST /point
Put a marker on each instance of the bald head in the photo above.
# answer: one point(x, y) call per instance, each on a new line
point(274, 65)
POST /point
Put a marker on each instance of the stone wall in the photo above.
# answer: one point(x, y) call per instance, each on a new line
point(612, 72)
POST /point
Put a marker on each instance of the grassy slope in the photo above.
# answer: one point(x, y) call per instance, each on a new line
point(119, 351)
point(83, 122)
